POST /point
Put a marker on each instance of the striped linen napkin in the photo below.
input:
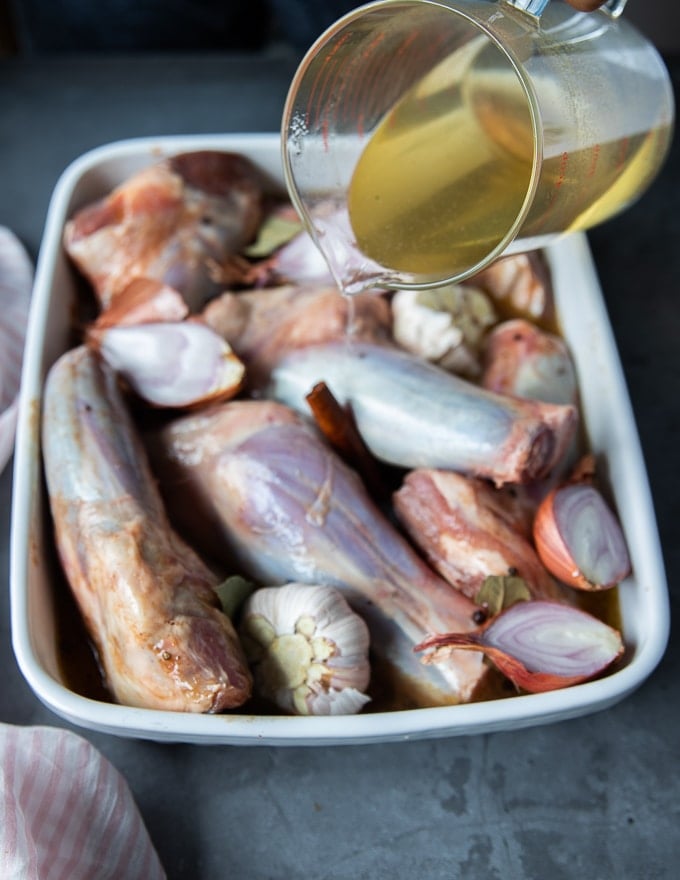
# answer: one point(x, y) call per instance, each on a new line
point(66, 813)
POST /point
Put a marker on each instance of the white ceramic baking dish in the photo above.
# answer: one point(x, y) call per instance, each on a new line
point(610, 426)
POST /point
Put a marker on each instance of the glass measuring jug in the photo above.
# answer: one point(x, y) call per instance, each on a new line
point(422, 139)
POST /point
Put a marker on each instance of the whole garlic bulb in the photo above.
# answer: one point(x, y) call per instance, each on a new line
point(308, 649)
point(445, 325)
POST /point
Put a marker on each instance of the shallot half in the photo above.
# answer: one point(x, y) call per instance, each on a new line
point(538, 645)
point(579, 540)
point(172, 363)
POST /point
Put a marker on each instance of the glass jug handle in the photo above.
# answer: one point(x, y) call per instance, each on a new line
point(536, 7)
point(614, 7)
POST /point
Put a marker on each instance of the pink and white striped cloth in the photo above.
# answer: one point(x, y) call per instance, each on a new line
point(66, 813)
point(16, 283)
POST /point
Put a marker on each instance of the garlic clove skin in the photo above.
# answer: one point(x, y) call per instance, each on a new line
point(307, 648)
point(579, 540)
